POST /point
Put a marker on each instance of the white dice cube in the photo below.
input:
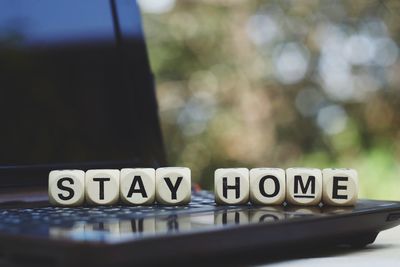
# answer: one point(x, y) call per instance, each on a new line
point(102, 186)
point(267, 186)
point(303, 186)
point(231, 186)
point(138, 186)
point(173, 185)
point(340, 187)
point(67, 187)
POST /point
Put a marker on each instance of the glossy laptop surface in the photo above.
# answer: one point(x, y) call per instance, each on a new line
point(199, 233)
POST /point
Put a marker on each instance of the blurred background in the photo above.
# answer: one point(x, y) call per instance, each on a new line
point(279, 83)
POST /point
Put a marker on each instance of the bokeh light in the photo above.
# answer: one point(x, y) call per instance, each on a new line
point(279, 83)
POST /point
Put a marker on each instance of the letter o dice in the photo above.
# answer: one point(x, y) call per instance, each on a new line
point(340, 187)
point(267, 186)
point(102, 186)
point(231, 186)
point(67, 187)
point(173, 185)
point(303, 186)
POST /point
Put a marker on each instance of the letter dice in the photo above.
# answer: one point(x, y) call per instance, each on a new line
point(102, 186)
point(303, 186)
point(67, 187)
point(231, 186)
point(173, 185)
point(340, 187)
point(267, 186)
point(138, 186)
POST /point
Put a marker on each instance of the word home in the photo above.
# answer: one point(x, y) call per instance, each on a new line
point(139, 186)
point(296, 186)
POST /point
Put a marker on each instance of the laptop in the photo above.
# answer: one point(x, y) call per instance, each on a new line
point(78, 92)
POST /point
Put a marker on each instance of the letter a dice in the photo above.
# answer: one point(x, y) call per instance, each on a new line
point(173, 185)
point(138, 186)
point(102, 186)
point(340, 187)
point(231, 186)
point(67, 187)
point(303, 186)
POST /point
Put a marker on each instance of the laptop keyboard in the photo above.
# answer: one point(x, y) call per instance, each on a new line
point(200, 202)
point(116, 222)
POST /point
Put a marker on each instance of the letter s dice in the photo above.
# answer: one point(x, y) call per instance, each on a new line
point(67, 187)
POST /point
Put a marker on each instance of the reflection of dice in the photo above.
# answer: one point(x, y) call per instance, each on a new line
point(173, 185)
point(139, 226)
point(267, 186)
point(231, 186)
point(340, 187)
point(303, 186)
point(102, 186)
point(267, 214)
point(173, 223)
point(67, 187)
point(138, 186)
point(229, 217)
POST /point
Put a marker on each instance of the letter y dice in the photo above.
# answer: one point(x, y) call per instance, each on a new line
point(173, 185)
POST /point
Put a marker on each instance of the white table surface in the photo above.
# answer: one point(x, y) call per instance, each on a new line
point(385, 251)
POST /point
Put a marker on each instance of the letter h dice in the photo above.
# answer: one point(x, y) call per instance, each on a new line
point(231, 186)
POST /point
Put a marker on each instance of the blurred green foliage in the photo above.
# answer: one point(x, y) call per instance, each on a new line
point(280, 83)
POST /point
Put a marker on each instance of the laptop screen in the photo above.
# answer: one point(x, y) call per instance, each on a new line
point(76, 86)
